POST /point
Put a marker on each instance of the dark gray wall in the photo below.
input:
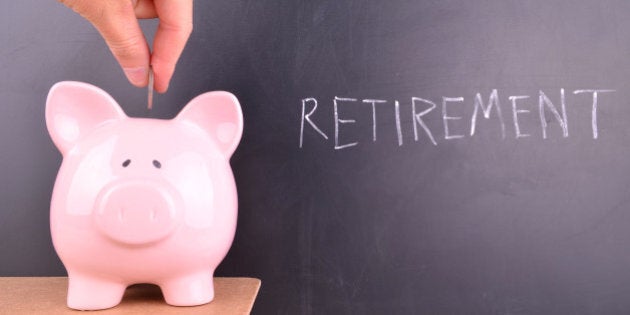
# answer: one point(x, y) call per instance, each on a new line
point(475, 225)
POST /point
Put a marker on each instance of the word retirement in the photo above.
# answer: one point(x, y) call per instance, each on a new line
point(422, 107)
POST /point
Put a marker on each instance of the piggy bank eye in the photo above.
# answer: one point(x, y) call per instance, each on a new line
point(157, 164)
point(126, 163)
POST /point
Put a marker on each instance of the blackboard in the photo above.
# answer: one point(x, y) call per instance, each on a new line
point(382, 199)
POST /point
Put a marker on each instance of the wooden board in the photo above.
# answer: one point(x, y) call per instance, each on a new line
point(47, 295)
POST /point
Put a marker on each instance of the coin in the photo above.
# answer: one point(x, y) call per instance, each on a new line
point(150, 89)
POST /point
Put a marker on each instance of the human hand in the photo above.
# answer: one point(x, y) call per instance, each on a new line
point(117, 22)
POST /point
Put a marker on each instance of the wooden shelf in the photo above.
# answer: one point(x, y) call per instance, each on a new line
point(47, 295)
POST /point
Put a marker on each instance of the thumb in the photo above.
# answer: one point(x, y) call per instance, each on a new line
point(116, 21)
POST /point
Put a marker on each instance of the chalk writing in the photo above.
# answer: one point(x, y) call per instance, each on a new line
point(417, 118)
point(342, 121)
point(374, 102)
point(515, 112)
point(422, 109)
point(446, 118)
point(307, 117)
point(594, 110)
point(564, 123)
point(493, 100)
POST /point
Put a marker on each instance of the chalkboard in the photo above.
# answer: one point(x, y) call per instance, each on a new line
point(398, 157)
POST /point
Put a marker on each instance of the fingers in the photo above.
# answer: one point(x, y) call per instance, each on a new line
point(170, 38)
point(116, 21)
point(144, 9)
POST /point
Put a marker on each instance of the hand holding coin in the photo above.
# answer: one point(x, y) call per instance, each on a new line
point(117, 22)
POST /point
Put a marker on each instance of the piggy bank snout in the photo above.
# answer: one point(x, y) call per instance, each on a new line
point(136, 213)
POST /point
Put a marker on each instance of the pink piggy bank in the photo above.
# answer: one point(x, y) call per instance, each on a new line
point(141, 200)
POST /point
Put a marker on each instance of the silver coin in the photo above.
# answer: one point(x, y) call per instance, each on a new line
point(150, 88)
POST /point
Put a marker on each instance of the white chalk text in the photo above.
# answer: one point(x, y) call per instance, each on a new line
point(552, 111)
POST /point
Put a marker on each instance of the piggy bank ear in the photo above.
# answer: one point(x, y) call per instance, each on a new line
point(219, 115)
point(73, 109)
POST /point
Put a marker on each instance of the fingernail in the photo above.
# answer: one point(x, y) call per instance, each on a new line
point(137, 76)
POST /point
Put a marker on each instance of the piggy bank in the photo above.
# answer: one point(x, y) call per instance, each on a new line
point(140, 200)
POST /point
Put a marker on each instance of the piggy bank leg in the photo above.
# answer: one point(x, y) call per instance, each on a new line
point(89, 293)
point(189, 290)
